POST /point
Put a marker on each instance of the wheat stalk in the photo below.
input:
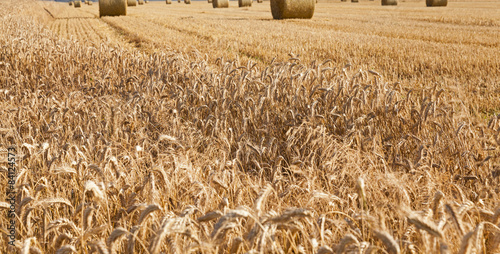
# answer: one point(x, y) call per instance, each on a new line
point(66, 249)
point(425, 225)
point(149, 209)
point(346, 240)
point(389, 242)
point(115, 236)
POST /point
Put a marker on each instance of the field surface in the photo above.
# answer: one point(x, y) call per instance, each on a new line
point(457, 46)
point(187, 129)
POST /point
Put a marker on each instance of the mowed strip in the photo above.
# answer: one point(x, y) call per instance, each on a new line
point(410, 43)
point(82, 24)
point(368, 31)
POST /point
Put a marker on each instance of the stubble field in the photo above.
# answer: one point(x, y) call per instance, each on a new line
point(187, 129)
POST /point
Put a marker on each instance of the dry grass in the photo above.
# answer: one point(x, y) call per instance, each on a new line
point(125, 149)
point(411, 44)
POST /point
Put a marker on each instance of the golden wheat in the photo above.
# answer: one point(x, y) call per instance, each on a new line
point(130, 141)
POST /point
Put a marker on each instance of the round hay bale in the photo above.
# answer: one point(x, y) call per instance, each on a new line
point(168, 1)
point(90, 3)
point(187, 1)
point(354, 1)
point(259, 1)
point(141, 2)
point(209, 1)
point(220, 3)
point(389, 2)
point(244, 3)
point(112, 7)
point(70, 3)
point(146, 1)
point(436, 3)
point(131, 2)
point(179, 1)
point(292, 9)
point(78, 4)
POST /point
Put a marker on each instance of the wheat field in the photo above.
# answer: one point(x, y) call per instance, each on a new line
point(187, 129)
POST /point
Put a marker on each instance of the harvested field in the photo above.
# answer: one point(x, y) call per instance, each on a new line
point(410, 44)
point(366, 128)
